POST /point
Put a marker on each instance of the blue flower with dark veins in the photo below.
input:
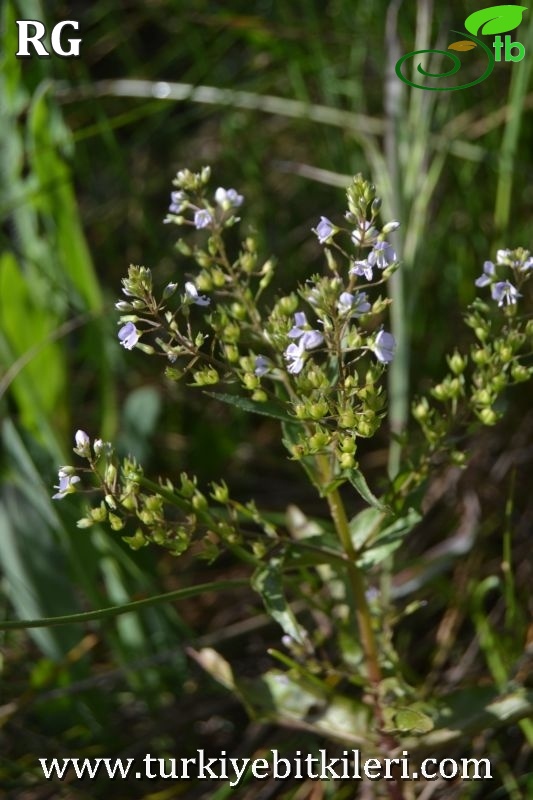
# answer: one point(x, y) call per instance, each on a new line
point(505, 293)
point(202, 219)
point(324, 230)
point(192, 295)
point(382, 255)
point(262, 366)
point(353, 304)
point(67, 483)
point(362, 268)
point(295, 354)
point(129, 336)
point(177, 202)
point(384, 347)
point(489, 274)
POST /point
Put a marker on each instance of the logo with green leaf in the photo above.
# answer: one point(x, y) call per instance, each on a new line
point(492, 21)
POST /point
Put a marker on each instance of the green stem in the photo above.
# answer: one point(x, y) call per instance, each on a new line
point(355, 576)
point(126, 608)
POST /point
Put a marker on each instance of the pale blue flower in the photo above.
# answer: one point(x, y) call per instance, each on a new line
point(353, 304)
point(228, 198)
point(528, 264)
point(202, 219)
point(362, 268)
point(100, 446)
point(311, 339)
point(129, 336)
point(505, 293)
point(382, 255)
point(489, 274)
point(300, 321)
point(295, 353)
point(324, 230)
point(193, 297)
point(177, 202)
point(262, 366)
point(67, 482)
point(384, 347)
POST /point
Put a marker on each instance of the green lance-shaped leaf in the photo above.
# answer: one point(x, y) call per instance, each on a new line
point(245, 404)
point(496, 19)
point(358, 481)
point(267, 581)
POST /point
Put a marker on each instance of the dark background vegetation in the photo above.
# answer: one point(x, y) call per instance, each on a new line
point(86, 176)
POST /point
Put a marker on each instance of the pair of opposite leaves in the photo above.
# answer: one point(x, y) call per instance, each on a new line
point(490, 21)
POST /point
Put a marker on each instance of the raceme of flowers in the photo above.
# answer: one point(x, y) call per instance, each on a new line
point(515, 264)
point(316, 355)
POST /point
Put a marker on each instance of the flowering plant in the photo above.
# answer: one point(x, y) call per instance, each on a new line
point(313, 360)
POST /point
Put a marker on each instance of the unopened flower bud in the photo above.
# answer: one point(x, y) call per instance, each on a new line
point(440, 391)
point(520, 373)
point(117, 523)
point(498, 383)
point(169, 290)
point(347, 461)
point(219, 279)
point(365, 428)
point(288, 305)
point(301, 411)
point(248, 262)
point(259, 396)
point(110, 501)
point(319, 440)
point(481, 356)
point(318, 410)
point(199, 502)
point(251, 381)
point(220, 492)
point(183, 247)
point(421, 410)
point(129, 502)
point(348, 445)
point(390, 227)
point(238, 311)
point(488, 416)
point(110, 474)
point(206, 377)
point(203, 282)
point(231, 353)
point(136, 541)
point(482, 397)
point(457, 363)
point(83, 444)
point(458, 458)
point(347, 419)
point(99, 514)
